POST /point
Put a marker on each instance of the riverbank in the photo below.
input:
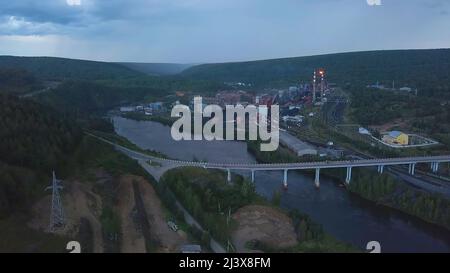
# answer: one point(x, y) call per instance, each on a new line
point(117, 139)
point(342, 214)
point(384, 190)
point(235, 196)
point(212, 201)
point(390, 192)
point(167, 121)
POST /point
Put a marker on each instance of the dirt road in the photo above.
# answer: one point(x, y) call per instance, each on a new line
point(133, 239)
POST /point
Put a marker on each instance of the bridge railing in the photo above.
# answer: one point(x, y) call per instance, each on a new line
point(289, 166)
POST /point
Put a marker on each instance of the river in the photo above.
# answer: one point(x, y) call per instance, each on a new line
point(342, 214)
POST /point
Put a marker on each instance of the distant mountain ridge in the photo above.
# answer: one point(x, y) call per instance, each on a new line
point(408, 67)
point(423, 68)
point(157, 69)
point(53, 68)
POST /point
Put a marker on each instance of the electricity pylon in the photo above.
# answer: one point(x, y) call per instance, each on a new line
point(57, 213)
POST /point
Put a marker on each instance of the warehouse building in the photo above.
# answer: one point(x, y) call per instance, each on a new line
point(296, 145)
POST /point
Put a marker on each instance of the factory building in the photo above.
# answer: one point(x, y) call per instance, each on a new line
point(296, 145)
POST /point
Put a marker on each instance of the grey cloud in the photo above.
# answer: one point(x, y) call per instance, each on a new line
point(218, 30)
point(57, 12)
point(442, 7)
point(55, 16)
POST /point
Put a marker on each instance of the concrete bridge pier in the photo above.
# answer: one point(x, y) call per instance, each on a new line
point(381, 169)
point(412, 169)
point(317, 180)
point(348, 178)
point(253, 176)
point(435, 167)
point(228, 175)
point(285, 179)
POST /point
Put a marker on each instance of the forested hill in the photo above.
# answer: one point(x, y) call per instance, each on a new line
point(84, 98)
point(34, 141)
point(34, 136)
point(158, 69)
point(17, 81)
point(417, 68)
point(51, 68)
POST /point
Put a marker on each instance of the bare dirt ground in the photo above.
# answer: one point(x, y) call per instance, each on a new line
point(264, 224)
point(133, 240)
point(397, 123)
point(79, 202)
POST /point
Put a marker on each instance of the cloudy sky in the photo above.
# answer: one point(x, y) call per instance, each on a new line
point(194, 31)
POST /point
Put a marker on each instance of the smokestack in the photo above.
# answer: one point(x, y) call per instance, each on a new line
point(314, 87)
point(322, 83)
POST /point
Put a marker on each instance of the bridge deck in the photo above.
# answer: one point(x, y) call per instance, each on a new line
point(286, 166)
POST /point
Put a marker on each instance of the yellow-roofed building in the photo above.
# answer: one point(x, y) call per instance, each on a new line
point(396, 137)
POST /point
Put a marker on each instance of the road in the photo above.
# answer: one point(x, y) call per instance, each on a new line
point(170, 163)
point(422, 182)
point(49, 87)
point(167, 164)
point(213, 244)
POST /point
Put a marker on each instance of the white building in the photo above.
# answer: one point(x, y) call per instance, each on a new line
point(363, 131)
point(127, 109)
point(406, 89)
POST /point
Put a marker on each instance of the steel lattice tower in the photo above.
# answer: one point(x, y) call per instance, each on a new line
point(57, 212)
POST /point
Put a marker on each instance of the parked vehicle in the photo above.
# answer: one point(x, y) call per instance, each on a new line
point(172, 226)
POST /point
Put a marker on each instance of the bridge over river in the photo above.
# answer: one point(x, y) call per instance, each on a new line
point(158, 166)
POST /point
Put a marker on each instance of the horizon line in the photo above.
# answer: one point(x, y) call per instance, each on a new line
point(224, 62)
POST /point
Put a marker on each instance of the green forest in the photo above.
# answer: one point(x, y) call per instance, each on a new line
point(34, 136)
point(37, 139)
point(416, 68)
point(50, 68)
point(209, 198)
point(84, 98)
point(387, 191)
point(18, 81)
point(422, 114)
